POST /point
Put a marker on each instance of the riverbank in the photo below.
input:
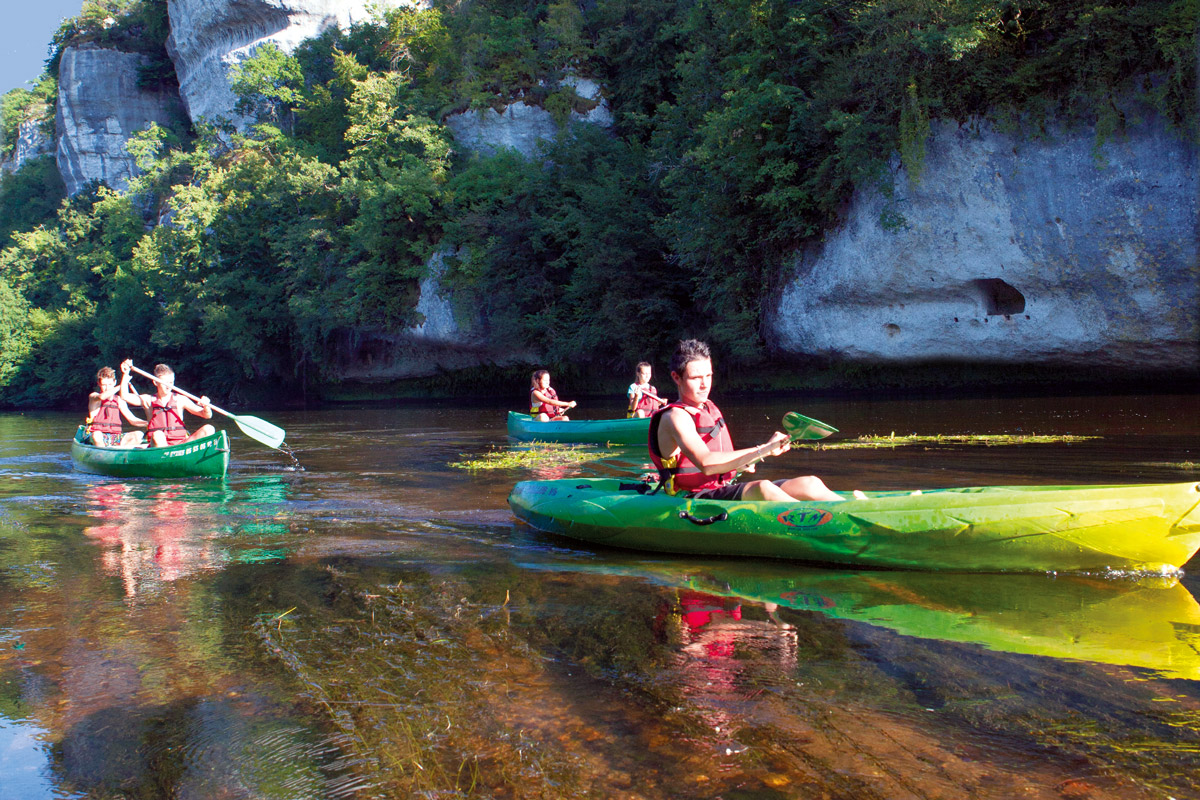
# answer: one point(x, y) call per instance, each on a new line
point(487, 383)
point(829, 380)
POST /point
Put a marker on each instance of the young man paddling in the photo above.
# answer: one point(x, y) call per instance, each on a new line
point(691, 447)
point(106, 408)
point(165, 410)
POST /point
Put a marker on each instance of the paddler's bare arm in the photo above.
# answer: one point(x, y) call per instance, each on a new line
point(129, 416)
point(201, 409)
point(677, 431)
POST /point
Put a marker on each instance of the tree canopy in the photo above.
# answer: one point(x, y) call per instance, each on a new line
point(741, 127)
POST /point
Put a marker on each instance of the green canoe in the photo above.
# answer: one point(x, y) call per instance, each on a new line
point(525, 428)
point(1144, 528)
point(207, 457)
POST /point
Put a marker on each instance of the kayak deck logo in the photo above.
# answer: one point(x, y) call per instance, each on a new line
point(805, 517)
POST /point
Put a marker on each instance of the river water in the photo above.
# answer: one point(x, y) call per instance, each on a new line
point(375, 624)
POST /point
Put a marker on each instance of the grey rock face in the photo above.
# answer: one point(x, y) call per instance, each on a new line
point(31, 143)
point(1013, 251)
point(434, 305)
point(99, 107)
point(209, 36)
point(521, 126)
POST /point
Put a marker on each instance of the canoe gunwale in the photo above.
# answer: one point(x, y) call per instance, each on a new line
point(619, 431)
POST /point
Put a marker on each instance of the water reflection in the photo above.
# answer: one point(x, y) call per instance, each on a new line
point(24, 762)
point(1152, 623)
point(152, 534)
point(375, 626)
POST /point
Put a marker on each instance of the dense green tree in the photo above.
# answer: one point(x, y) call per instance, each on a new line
point(29, 197)
point(741, 129)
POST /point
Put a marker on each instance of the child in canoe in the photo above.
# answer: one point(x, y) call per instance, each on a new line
point(106, 408)
point(165, 409)
point(643, 398)
point(544, 404)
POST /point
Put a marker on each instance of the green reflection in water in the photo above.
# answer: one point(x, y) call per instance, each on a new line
point(1152, 623)
point(1078, 701)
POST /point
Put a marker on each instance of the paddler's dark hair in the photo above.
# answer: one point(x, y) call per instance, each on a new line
point(689, 350)
point(537, 376)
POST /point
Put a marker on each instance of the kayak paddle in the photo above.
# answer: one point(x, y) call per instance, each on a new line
point(799, 428)
point(802, 428)
point(258, 429)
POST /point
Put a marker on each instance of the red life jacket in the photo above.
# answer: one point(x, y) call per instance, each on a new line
point(679, 473)
point(107, 418)
point(165, 417)
point(644, 402)
point(538, 407)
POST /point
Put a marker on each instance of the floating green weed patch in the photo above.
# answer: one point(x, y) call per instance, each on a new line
point(538, 455)
point(1187, 466)
point(986, 439)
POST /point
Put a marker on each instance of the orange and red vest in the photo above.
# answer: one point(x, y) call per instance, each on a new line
point(165, 417)
point(107, 418)
point(538, 407)
point(644, 402)
point(678, 473)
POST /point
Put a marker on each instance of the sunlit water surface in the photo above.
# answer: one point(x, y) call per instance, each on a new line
point(375, 624)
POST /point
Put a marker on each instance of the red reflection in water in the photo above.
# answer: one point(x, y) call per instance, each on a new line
point(149, 540)
point(723, 654)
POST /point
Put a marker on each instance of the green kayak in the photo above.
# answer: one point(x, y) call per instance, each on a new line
point(207, 457)
point(1144, 528)
point(525, 428)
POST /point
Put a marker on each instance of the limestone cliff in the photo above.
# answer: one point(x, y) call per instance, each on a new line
point(99, 107)
point(445, 340)
point(521, 126)
point(31, 142)
point(1012, 250)
point(209, 36)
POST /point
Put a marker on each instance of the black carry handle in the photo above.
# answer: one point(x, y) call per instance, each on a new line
point(724, 515)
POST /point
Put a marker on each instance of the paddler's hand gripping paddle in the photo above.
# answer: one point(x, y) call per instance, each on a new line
point(799, 428)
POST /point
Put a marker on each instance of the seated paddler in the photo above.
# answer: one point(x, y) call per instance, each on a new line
point(544, 405)
point(107, 407)
point(692, 449)
point(643, 397)
point(165, 409)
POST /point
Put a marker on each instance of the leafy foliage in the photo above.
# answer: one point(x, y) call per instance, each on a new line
point(29, 197)
point(741, 128)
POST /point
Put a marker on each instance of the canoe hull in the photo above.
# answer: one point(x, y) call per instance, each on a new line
point(205, 458)
point(525, 428)
point(1142, 528)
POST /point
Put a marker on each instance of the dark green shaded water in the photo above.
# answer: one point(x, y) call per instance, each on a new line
point(376, 625)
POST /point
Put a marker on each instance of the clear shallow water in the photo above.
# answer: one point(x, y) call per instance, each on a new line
point(375, 624)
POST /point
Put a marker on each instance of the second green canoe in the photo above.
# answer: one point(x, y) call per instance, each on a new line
point(207, 458)
point(1142, 528)
point(525, 428)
